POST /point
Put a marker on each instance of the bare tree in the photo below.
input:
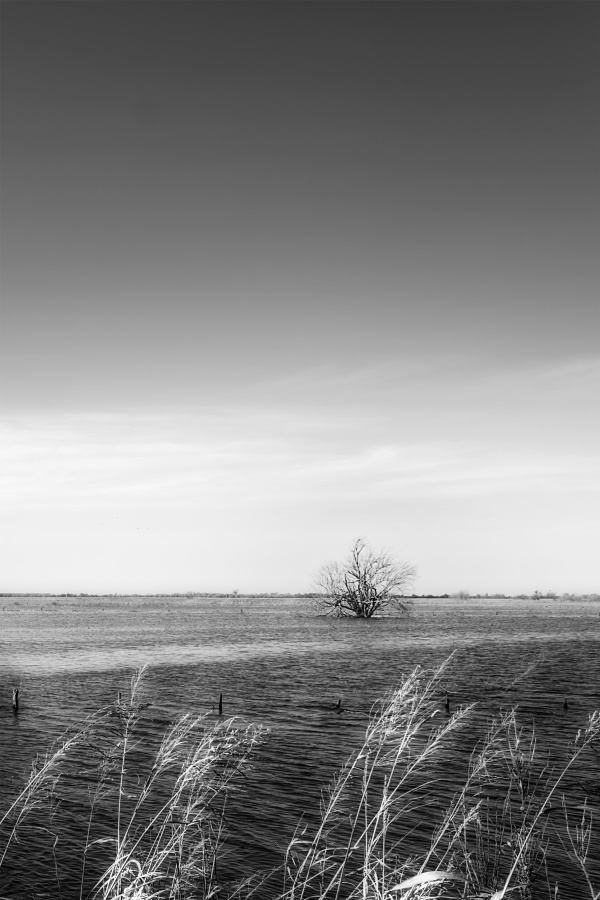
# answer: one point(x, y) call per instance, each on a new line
point(364, 584)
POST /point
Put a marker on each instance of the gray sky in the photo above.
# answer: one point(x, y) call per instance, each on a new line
point(278, 275)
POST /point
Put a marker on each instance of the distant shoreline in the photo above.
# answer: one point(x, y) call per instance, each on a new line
point(192, 595)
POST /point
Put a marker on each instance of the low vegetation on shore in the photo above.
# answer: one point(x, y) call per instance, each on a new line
point(314, 595)
point(152, 825)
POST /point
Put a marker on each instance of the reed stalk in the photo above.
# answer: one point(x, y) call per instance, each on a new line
point(47, 771)
point(156, 820)
point(489, 843)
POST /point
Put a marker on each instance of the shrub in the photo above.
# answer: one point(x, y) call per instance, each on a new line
point(365, 584)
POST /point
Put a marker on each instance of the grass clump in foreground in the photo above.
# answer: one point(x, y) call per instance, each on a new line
point(158, 819)
point(153, 826)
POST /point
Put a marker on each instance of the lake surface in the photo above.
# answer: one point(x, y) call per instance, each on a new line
point(280, 666)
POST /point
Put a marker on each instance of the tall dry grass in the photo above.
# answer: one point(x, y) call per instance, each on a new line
point(159, 820)
point(491, 841)
point(156, 821)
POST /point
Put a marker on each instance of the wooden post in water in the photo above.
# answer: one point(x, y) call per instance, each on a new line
point(16, 699)
point(220, 704)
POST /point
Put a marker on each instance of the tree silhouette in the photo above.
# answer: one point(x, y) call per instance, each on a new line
point(364, 584)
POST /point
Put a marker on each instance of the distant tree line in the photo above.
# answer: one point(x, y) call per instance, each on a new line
point(537, 595)
point(315, 595)
point(187, 595)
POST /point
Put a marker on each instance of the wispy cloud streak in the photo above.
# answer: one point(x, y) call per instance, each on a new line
point(240, 457)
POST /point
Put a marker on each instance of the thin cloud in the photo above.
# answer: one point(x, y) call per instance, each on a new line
point(239, 459)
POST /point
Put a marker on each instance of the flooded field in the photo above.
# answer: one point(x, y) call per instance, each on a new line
point(278, 665)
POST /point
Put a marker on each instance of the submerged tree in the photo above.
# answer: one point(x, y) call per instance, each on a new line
point(364, 584)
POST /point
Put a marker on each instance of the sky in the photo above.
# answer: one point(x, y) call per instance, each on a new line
point(279, 275)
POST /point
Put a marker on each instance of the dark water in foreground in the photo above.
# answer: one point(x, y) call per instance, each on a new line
point(280, 666)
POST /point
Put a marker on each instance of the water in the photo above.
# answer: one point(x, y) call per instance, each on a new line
point(278, 665)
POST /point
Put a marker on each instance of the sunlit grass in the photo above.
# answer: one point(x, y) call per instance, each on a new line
point(158, 820)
